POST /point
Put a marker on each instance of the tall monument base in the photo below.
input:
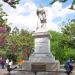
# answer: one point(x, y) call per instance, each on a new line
point(42, 58)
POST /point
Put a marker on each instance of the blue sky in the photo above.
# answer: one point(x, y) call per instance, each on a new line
point(24, 16)
point(37, 2)
point(46, 2)
point(67, 3)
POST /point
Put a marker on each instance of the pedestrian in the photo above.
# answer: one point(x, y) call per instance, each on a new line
point(7, 62)
point(11, 63)
point(9, 68)
point(68, 66)
point(2, 63)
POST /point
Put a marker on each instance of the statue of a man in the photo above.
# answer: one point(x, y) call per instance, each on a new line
point(41, 16)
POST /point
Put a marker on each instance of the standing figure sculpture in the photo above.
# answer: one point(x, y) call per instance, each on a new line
point(42, 17)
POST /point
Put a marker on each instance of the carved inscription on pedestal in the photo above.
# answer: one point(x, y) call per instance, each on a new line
point(38, 67)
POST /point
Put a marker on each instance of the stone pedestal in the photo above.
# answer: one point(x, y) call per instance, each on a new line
point(42, 51)
point(42, 55)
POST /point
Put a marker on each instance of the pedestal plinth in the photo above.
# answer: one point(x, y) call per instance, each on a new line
point(42, 51)
point(42, 54)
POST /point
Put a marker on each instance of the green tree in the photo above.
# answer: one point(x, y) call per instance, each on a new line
point(27, 42)
point(21, 44)
point(60, 48)
point(12, 3)
point(69, 34)
point(4, 30)
point(56, 47)
point(68, 41)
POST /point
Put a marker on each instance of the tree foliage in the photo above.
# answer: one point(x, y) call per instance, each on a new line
point(69, 34)
point(56, 46)
point(4, 28)
point(12, 3)
point(21, 43)
point(60, 48)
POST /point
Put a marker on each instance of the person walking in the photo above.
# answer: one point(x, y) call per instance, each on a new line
point(68, 66)
point(9, 68)
point(7, 62)
point(11, 63)
point(2, 63)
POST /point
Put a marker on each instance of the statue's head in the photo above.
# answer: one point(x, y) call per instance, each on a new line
point(40, 11)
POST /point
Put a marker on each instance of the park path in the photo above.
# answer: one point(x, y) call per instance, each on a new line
point(4, 72)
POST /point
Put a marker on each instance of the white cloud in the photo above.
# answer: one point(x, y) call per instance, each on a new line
point(57, 6)
point(22, 21)
point(18, 18)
